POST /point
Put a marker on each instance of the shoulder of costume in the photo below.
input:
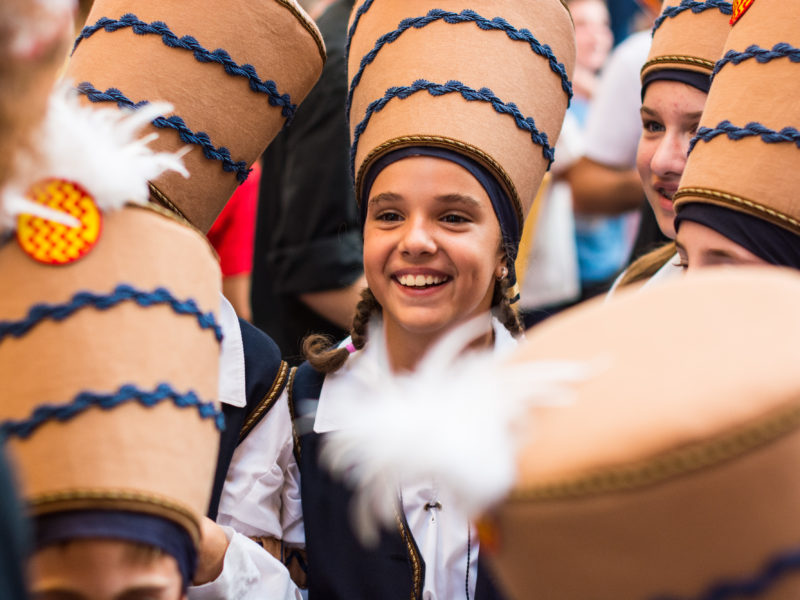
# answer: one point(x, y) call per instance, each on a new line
point(266, 375)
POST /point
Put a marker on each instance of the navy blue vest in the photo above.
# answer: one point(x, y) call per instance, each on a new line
point(265, 377)
point(339, 566)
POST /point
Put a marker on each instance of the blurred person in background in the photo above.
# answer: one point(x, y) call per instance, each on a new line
point(307, 272)
point(551, 279)
point(605, 186)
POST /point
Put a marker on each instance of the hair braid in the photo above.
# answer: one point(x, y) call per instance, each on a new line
point(321, 351)
point(504, 310)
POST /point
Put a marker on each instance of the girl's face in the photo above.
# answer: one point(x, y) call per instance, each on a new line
point(700, 246)
point(671, 112)
point(431, 245)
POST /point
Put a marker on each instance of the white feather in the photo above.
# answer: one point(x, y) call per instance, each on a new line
point(452, 421)
point(97, 148)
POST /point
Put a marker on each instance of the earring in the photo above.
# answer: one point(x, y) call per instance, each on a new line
point(503, 273)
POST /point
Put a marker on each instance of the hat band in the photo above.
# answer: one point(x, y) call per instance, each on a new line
point(752, 129)
point(762, 55)
point(150, 530)
point(768, 241)
point(700, 81)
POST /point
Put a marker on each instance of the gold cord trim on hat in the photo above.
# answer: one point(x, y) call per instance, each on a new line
point(680, 59)
point(135, 501)
point(309, 26)
point(293, 414)
point(443, 142)
point(267, 401)
point(669, 465)
point(413, 555)
point(162, 199)
point(738, 203)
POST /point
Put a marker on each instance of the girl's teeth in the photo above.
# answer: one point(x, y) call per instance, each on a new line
point(419, 280)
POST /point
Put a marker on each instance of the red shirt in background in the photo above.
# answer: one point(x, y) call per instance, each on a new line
point(232, 233)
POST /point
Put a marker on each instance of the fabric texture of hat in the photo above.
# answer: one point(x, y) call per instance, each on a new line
point(489, 81)
point(672, 472)
point(234, 72)
point(746, 154)
point(109, 343)
point(688, 36)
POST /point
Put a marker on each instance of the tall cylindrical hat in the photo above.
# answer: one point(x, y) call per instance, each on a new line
point(109, 339)
point(234, 72)
point(687, 39)
point(672, 471)
point(746, 154)
point(485, 80)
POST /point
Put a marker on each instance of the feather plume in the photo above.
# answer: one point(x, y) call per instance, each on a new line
point(452, 420)
point(97, 148)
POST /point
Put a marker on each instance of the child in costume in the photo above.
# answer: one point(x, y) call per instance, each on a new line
point(453, 115)
point(675, 83)
point(604, 485)
point(737, 202)
point(139, 472)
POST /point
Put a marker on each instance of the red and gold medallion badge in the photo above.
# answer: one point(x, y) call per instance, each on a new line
point(53, 243)
point(739, 8)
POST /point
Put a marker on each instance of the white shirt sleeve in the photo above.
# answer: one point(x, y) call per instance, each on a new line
point(248, 573)
point(613, 126)
point(261, 497)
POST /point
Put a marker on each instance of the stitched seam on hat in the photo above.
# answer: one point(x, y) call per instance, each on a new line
point(267, 401)
point(308, 27)
point(761, 55)
point(669, 465)
point(469, 94)
point(351, 32)
point(447, 142)
point(200, 138)
point(752, 586)
point(465, 16)
point(121, 293)
point(726, 8)
point(680, 59)
point(752, 129)
point(736, 200)
point(24, 428)
point(202, 55)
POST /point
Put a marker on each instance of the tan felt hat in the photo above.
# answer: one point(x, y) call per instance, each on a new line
point(486, 79)
point(109, 367)
point(689, 36)
point(234, 72)
point(673, 471)
point(746, 155)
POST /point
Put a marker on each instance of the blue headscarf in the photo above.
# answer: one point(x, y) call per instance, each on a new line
point(139, 528)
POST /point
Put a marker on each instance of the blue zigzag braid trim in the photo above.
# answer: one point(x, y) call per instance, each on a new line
point(122, 293)
point(201, 54)
point(434, 89)
point(752, 129)
point(771, 573)
point(726, 8)
point(465, 16)
point(199, 138)
point(351, 32)
point(762, 55)
point(23, 428)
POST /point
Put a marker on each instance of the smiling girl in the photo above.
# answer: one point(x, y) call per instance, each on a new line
point(675, 83)
point(453, 116)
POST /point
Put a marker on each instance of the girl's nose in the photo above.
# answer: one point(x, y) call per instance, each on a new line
point(417, 238)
